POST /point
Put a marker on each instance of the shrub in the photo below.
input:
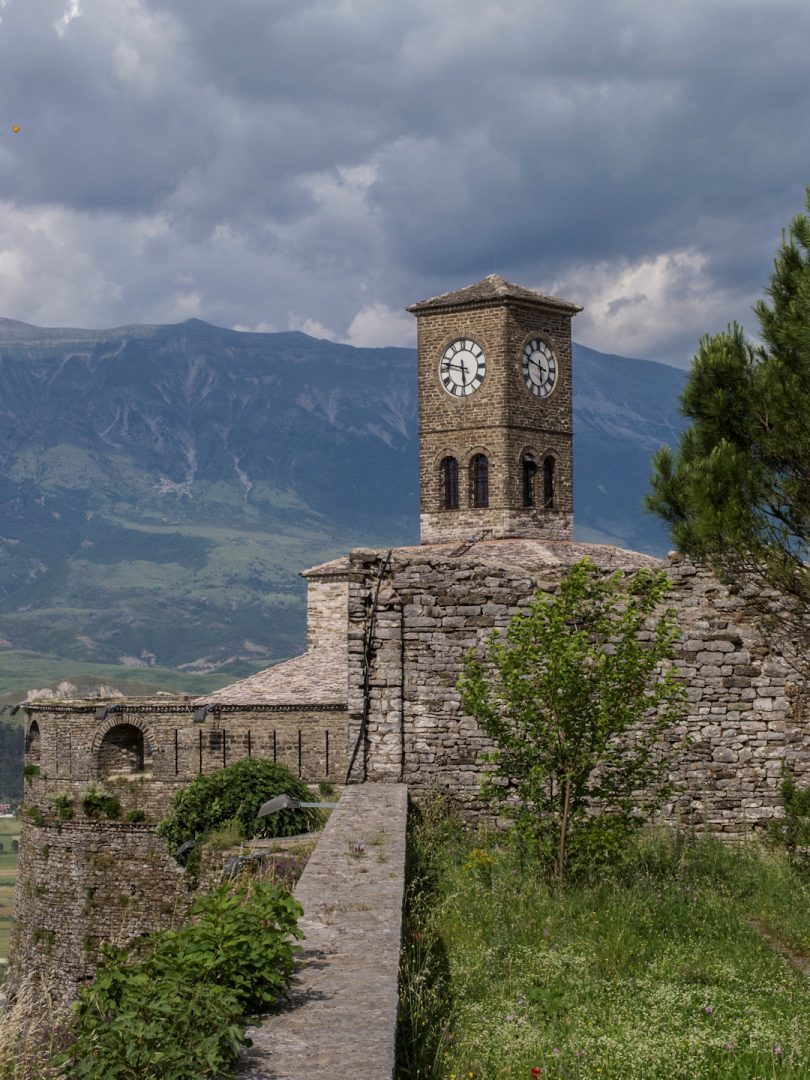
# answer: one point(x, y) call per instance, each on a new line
point(136, 816)
point(63, 807)
point(234, 794)
point(34, 815)
point(31, 771)
point(97, 803)
point(793, 830)
point(174, 1008)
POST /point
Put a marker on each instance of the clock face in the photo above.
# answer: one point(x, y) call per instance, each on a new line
point(462, 367)
point(539, 367)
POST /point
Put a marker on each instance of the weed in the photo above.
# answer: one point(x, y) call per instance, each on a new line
point(96, 803)
point(63, 806)
point(33, 813)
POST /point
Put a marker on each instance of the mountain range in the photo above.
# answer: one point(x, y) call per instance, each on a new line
point(161, 486)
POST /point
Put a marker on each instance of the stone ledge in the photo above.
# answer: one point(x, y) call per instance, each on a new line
point(342, 1015)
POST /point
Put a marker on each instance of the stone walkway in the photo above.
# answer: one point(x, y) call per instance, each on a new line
point(341, 1020)
point(793, 956)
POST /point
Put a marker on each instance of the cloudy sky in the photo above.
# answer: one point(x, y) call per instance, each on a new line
point(320, 164)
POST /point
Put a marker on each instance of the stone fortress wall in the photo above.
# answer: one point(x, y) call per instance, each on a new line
point(83, 881)
point(746, 706)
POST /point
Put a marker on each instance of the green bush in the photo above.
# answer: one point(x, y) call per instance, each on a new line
point(793, 830)
point(34, 815)
point(174, 1009)
point(136, 816)
point(31, 771)
point(234, 794)
point(63, 805)
point(97, 803)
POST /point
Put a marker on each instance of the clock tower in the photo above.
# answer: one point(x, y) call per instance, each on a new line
point(495, 414)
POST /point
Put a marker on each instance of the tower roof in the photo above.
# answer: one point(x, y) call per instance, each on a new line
point(491, 290)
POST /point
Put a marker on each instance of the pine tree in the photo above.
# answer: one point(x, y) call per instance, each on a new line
point(736, 492)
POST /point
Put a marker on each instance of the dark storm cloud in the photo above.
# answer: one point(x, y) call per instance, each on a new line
point(321, 164)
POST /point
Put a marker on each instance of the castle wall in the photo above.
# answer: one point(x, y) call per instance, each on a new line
point(81, 881)
point(73, 748)
point(81, 884)
point(746, 711)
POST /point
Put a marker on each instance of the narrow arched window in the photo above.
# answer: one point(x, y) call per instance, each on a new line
point(529, 474)
point(32, 743)
point(548, 483)
point(479, 472)
point(449, 468)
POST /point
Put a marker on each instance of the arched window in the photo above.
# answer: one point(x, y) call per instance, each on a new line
point(548, 483)
point(32, 743)
point(479, 474)
point(449, 470)
point(529, 473)
point(123, 750)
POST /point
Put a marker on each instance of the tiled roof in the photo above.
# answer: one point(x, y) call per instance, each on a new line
point(328, 569)
point(316, 678)
point(491, 289)
point(529, 555)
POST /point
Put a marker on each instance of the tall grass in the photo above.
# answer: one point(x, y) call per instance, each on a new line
point(33, 1027)
point(651, 970)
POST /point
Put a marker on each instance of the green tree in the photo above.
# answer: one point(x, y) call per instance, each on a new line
point(576, 699)
point(736, 491)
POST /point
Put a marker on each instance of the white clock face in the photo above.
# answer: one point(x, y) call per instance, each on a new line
point(462, 367)
point(539, 367)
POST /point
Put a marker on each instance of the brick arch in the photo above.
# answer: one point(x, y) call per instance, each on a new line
point(472, 451)
point(123, 744)
point(118, 720)
point(531, 449)
point(446, 452)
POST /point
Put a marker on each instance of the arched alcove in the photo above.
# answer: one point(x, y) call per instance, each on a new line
point(124, 751)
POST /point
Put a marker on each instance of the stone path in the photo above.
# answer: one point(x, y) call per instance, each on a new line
point(341, 1020)
point(797, 959)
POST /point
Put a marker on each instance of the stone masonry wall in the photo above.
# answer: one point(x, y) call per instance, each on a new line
point(326, 612)
point(746, 711)
point(80, 884)
point(72, 748)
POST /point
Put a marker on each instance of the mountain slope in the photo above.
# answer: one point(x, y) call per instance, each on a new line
point(161, 486)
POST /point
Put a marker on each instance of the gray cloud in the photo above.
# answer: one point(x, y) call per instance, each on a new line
point(323, 163)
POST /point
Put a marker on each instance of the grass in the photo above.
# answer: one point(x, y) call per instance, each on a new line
point(649, 972)
point(9, 830)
